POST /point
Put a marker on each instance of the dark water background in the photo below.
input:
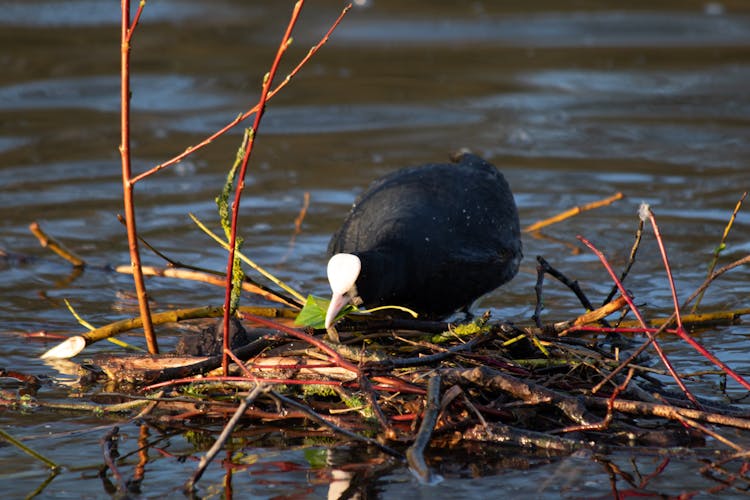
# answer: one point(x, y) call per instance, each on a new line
point(574, 101)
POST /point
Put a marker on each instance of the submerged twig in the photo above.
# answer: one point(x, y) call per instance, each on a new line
point(18, 444)
point(415, 452)
point(109, 450)
point(298, 224)
point(340, 430)
point(219, 443)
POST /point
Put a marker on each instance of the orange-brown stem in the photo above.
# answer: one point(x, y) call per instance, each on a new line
point(127, 185)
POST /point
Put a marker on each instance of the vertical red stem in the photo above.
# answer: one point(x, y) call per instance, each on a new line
point(680, 330)
point(243, 171)
point(127, 186)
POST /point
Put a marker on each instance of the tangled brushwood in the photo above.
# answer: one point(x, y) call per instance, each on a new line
point(401, 385)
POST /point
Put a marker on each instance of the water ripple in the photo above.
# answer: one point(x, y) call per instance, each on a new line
point(574, 29)
point(102, 93)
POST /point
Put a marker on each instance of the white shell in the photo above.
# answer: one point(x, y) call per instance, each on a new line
point(66, 349)
point(343, 271)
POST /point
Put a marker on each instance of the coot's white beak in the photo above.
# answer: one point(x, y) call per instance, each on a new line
point(343, 271)
point(337, 303)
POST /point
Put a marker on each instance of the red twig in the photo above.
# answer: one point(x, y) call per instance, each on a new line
point(305, 337)
point(606, 329)
point(743, 261)
point(248, 150)
point(335, 356)
point(645, 212)
point(200, 380)
point(638, 315)
point(136, 18)
point(680, 331)
point(127, 182)
point(657, 472)
point(237, 361)
point(208, 140)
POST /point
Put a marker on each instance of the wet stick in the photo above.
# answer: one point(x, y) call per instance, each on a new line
point(210, 278)
point(15, 442)
point(223, 437)
point(415, 452)
point(572, 212)
point(49, 242)
point(249, 262)
point(74, 345)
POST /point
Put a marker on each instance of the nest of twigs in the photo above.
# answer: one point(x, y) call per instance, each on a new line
point(402, 384)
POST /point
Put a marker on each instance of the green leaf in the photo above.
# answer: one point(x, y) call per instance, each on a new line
point(313, 314)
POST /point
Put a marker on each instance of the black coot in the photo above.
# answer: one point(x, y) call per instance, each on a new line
point(431, 238)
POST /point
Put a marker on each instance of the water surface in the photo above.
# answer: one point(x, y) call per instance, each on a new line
point(573, 102)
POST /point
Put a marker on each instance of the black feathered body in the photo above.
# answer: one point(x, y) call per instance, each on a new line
point(433, 238)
